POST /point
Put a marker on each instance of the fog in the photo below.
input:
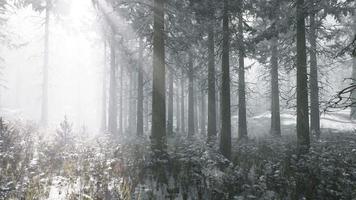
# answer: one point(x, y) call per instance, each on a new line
point(75, 66)
point(177, 99)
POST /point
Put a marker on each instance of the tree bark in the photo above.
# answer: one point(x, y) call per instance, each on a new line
point(275, 109)
point(196, 108)
point(44, 106)
point(314, 88)
point(182, 111)
point(302, 80)
point(130, 102)
point(178, 118)
point(242, 129)
point(104, 105)
point(121, 125)
point(225, 137)
point(211, 84)
point(203, 114)
point(112, 90)
point(353, 95)
point(158, 131)
point(191, 113)
point(139, 127)
point(170, 103)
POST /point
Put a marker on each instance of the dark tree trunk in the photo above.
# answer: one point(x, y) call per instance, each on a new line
point(112, 90)
point(182, 110)
point(190, 97)
point(104, 105)
point(353, 97)
point(44, 106)
point(242, 130)
point(225, 137)
point(314, 88)
point(218, 114)
point(302, 80)
point(170, 103)
point(275, 109)
point(203, 114)
point(211, 84)
point(139, 127)
point(158, 131)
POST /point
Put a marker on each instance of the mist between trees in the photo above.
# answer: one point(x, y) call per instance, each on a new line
point(177, 99)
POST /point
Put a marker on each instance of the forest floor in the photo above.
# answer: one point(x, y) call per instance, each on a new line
point(102, 167)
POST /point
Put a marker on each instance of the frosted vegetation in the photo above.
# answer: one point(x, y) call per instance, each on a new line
point(177, 99)
point(72, 165)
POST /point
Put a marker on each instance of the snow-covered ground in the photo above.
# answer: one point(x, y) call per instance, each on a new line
point(338, 120)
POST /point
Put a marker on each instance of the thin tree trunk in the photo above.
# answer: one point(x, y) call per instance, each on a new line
point(158, 130)
point(130, 102)
point(190, 97)
point(44, 108)
point(182, 104)
point(104, 105)
point(196, 109)
point(112, 91)
point(353, 97)
point(218, 114)
point(139, 127)
point(147, 115)
point(242, 130)
point(170, 104)
point(314, 88)
point(134, 102)
point(225, 137)
point(302, 80)
point(202, 115)
point(211, 84)
point(275, 109)
point(121, 125)
point(177, 109)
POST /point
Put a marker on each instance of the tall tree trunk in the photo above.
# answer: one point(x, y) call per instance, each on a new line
point(121, 125)
point(177, 108)
point(170, 103)
point(218, 103)
point(225, 137)
point(202, 115)
point(44, 106)
point(182, 110)
point(139, 127)
point(242, 130)
point(134, 102)
point(211, 84)
point(112, 90)
point(130, 102)
point(191, 119)
point(275, 110)
point(104, 105)
point(158, 130)
point(147, 115)
point(314, 88)
point(302, 80)
point(353, 97)
point(196, 109)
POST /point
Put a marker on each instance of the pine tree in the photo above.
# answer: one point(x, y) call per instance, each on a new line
point(225, 138)
point(302, 82)
point(158, 131)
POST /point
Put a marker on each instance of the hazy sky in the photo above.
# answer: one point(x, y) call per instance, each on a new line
point(76, 65)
